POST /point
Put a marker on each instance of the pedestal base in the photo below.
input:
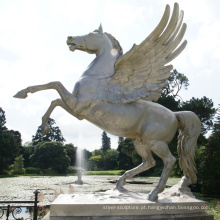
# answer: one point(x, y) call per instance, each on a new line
point(115, 205)
point(194, 216)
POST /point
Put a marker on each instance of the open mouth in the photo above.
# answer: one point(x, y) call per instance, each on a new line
point(72, 46)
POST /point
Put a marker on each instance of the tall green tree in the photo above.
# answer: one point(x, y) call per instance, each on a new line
point(210, 172)
point(10, 142)
point(9, 150)
point(54, 134)
point(170, 97)
point(27, 150)
point(170, 102)
point(2, 120)
point(120, 139)
point(106, 142)
point(111, 159)
point(17, 136)
point(128, 157)
point(176, 82)
point(204, 109)
point(124, 158)
point(50, 155)
point(71, 153)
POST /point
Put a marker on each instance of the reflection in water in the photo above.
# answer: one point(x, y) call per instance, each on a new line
point(23, 213)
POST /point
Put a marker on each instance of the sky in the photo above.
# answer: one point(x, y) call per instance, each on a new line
point(33, 51)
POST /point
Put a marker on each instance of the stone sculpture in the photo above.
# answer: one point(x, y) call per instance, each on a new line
point(116, 93)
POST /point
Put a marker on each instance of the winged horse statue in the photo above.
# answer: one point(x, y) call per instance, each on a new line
point(116, 93)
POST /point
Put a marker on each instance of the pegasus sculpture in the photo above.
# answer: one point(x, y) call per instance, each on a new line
point(117, 91)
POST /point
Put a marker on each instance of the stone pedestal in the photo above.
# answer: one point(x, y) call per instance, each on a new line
point(115, 205)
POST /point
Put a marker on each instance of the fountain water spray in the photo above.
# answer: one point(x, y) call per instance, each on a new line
point(79, 159)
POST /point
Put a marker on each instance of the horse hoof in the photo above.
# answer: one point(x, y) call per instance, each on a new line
point(120, 189)
point(21, 95)
point(45, 129)
point(152, 197)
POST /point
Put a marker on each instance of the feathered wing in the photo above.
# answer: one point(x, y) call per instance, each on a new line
point(142, 72)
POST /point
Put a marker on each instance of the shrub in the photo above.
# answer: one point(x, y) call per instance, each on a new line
point(17, 166)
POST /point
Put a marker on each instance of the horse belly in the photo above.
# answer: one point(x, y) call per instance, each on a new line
point(140, 120)
point(118, 119)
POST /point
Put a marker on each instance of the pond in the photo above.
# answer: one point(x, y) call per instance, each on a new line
point(22, 188)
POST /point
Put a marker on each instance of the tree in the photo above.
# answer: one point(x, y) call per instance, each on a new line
point(18, 167)
point(50, 155)
point(9, 150)
point(111, 160)
point(204, 109)
point(106, 142)
point(97, 160)
point(17, 136)
point(27, 150)
point(120, 139)
point(2, 119)
point(169, 102)
point(104, 160)
point(9, 144)
point(210, 172)
point(170, 93)
point(71, 153)
point(128, 157)
point(86, 155)
point(176, 82)
point(124, 159)
point(53, 135)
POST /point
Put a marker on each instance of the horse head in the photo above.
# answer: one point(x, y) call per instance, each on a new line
point(90, 43)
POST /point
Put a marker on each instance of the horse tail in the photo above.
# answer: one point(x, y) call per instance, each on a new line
point(190, 128)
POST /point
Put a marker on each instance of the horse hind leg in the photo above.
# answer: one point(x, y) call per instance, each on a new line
point(161, 149)
point(58, 102)
point(147, 162)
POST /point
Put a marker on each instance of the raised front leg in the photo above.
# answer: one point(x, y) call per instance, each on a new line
point(58, 102)
point(67, 97)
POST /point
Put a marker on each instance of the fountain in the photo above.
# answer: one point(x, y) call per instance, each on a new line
point(79, 180)
point(79, 160)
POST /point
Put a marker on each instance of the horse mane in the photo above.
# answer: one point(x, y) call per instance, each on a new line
point(115, 44)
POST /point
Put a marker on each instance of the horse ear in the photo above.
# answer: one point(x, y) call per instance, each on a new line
point(100, 29)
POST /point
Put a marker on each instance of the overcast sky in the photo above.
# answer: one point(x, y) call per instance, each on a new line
point(33, 51)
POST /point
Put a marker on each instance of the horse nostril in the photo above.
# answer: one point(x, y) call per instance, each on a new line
point(70, 38)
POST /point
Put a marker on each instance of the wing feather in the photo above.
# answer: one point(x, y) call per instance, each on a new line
point(171, 26)
point(172, 36)
point(142, 72)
